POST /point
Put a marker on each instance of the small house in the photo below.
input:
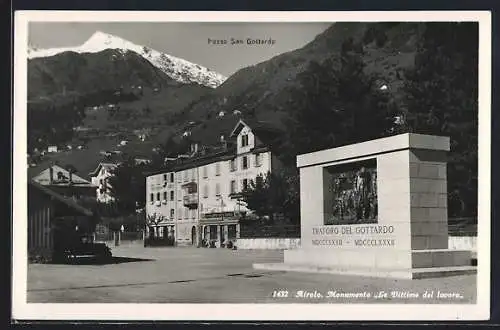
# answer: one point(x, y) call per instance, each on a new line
point(101, 179)
point(52, 219)
point(63, 181)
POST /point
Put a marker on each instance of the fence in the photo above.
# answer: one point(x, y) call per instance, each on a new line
point(131, 236)
point(462, 226)
point(104, 234)
point(284, 231)
point(456, 227)
point(159, 241)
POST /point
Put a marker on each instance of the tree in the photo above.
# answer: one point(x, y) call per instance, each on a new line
point(128, 186)
point(337, 103)
point(274, 193)
point(152, 221)
point(442, 99)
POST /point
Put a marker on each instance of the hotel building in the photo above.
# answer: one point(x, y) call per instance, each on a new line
point(100, 178)
point(198, 196)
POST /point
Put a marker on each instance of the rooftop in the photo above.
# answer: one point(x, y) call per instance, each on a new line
point(60, 198)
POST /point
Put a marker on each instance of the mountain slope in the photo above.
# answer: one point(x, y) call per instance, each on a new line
point(110, 69)
point(90, 98)
point(176, 68)
point(263, 90)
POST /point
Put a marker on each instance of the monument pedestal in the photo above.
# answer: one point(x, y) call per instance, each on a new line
point(407, 236)
point(396, 264)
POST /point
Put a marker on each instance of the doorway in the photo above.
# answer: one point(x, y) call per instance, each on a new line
point(193, 235)
point(222, 236)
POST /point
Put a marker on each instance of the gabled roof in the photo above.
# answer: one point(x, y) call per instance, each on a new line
point(264, 131)
point(107, 166)
point(237, 129)
point(43, 177)
point(255, 126)
point(65, 200)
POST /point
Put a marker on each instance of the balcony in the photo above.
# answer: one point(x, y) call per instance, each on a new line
point(191, 201)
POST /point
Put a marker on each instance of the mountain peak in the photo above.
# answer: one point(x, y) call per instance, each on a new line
point(176, 68)
point(101, 40)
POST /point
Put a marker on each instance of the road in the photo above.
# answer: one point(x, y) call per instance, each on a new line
point(198, 275)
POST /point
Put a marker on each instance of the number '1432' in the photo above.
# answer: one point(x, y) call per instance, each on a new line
point(280, 293)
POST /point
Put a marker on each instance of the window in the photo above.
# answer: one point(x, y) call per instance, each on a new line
point(164, 177)
point(152, 197)
point(186, 213)
point(205, 171)
point(217, 189)
point(245, 184)
point(171, 195)
point(193, 174)
point(164, 195)
point(179, 177)
point(259, 180)
point(232, 186)
point(172, 211)
point(258, 160)
point(205, 191)
point(179, 213)
point(244, 140)
point(179, 195)
point(232, 165)
point(244, 162)
point(185, 175)
point(172, 177)
point(100, 181)
point(217, 168)
point(157, 196)
point(192, 189)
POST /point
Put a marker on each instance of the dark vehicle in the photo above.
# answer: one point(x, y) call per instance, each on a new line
point(159, 241)
point(83, 248)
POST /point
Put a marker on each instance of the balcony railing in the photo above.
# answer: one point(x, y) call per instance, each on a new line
point(191, 201)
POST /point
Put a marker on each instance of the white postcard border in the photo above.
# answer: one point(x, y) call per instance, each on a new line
point(21, 310)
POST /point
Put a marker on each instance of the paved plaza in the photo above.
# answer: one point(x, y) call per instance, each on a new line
point(198, 275)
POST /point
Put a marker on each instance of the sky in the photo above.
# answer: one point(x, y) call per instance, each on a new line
point(187, 40)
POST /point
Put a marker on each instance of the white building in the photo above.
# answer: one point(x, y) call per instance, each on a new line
point(64, 181)
point(198, 198)
point(100, 178)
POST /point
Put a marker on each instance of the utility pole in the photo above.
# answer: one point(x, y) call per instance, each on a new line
point(222, 220)
point(199, 227)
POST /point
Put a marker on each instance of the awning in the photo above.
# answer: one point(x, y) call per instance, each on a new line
point(191, 184)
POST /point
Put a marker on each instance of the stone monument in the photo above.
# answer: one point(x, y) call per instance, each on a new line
point(376, 208)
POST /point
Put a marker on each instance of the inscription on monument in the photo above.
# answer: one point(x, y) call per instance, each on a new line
point(354, 236)
point(352, 190)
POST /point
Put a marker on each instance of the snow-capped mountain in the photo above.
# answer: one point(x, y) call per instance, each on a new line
point(176, 68)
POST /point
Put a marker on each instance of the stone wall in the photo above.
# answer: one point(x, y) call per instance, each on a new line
point(463, 243)
point(267, 243)
point(454, 243)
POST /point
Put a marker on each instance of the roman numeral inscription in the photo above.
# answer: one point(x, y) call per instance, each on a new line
point(354, 236)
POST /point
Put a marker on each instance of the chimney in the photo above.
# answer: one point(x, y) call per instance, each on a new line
point(194, 147)
point(51, 175)
point(70, 176)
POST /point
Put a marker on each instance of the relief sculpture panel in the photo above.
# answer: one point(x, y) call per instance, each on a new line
point(353, 191)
